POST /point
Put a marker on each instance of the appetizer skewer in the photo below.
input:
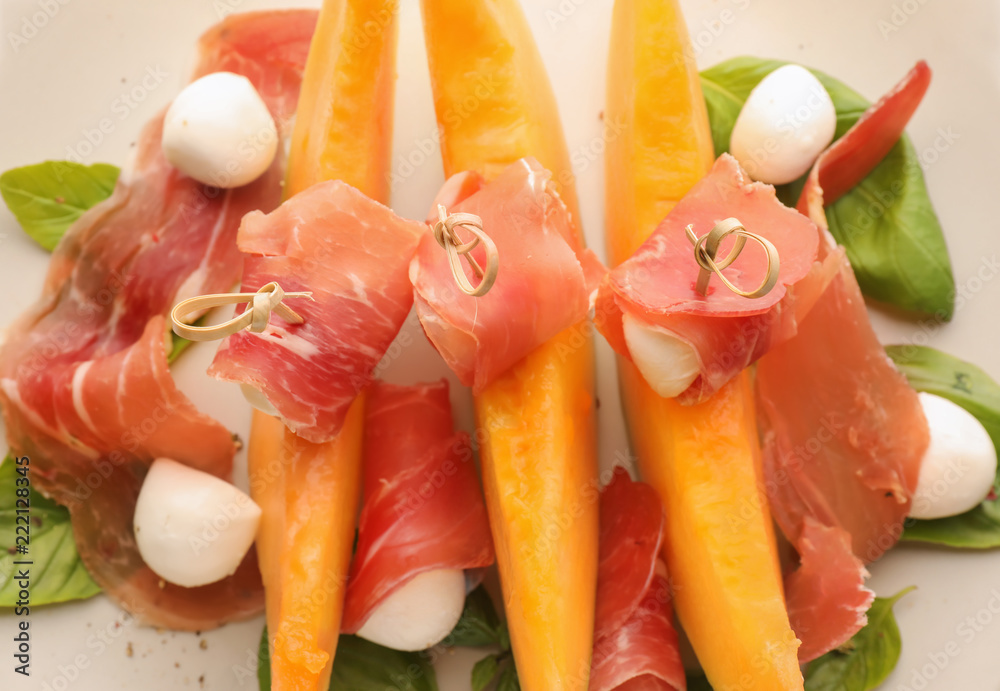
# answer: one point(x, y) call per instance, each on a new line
point(536, 420)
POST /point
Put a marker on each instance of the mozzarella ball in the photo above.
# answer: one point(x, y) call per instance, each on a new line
point(191, 527)
point(785, 124)
point(668, 364)
point(420, 613)
point(258, 400)
point(960, 464)
point(219, 131)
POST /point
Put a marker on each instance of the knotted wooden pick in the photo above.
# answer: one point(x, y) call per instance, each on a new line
point(255, 317)
point(447, 237)
point(707, 246)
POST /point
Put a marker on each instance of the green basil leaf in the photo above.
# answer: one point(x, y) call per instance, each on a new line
point(508, 678)
point(361, 665)
point(978, 528)
point(698, 682)
point(484, 671)
point(867, 659)
point(503, 636)
point(969, 386)
point(264, 662)
point(180, 344)
point(479, 624)
point(893, 237)
point(56, 573)
point(47, 197)
point(886, 223)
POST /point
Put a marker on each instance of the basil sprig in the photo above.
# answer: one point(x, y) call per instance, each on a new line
point(886, 223)
point(56, 573)
point(481, 626)
point(867, 659)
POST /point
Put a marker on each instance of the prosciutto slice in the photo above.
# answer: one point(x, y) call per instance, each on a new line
point(826, 596)
point(728, 332)
point(635, 644)
point(352, 253)
point(544, 282)
point(422, 508)
point(84, 383)
point(843, 433)
point(849, 160)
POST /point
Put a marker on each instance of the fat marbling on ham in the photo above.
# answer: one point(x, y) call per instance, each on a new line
point(635, 644)
point(352, 253)
point(422, 507)
point(84, 383)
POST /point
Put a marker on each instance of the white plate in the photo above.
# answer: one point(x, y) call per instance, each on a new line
point(82, 56)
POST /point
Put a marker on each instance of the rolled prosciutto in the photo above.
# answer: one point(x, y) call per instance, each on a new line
point(544, 284)
point(423, 516)
point(352, 253)
point(685, 344)
point(635, 644)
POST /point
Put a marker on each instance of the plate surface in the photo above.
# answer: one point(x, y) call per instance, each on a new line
point(79, 61)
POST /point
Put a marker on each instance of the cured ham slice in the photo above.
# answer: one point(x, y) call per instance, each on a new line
point(843, 433)
point(543, 285)
point(849, 160)
point(423, 508)
point(826, 596)
point(635, 644)
point(728, 332)
point(127, 410)
point(352, 253)
point(83, 377)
